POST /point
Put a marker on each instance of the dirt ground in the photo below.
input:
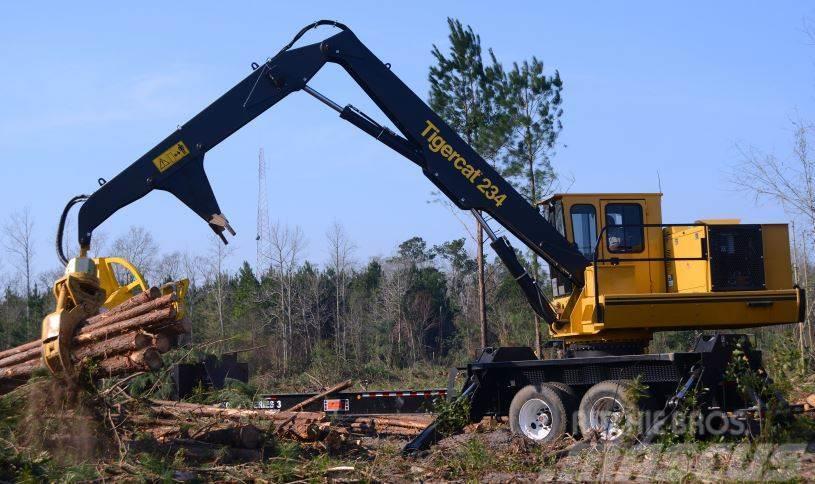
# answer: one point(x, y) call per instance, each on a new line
point(486, 452)
point(489, 455)
point(493, 455)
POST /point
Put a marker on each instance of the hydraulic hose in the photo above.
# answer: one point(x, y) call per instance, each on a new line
point(308, 27)
point(61, 226)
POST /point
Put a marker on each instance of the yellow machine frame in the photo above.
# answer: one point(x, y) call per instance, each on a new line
point(629, 295)
point(88, 285)
point(116, 293)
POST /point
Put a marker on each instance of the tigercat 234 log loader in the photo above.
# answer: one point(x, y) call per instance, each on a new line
point(619, 272)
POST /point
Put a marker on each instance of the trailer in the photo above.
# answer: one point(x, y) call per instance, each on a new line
point(544, 399)
point(375, 402)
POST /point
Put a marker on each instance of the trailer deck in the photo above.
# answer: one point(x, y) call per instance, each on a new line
point(366, 402)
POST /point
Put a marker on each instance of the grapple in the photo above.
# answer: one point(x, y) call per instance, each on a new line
point(79, 296)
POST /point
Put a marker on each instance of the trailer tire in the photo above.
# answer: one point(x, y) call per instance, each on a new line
point(568, 395)
point(570, 402)
point(537, 413)
point(609, 410)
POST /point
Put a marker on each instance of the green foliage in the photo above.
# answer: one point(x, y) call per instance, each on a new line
point(785, 363)
point(234, 394)
point(534, 102)
point(777, 424)
point(451, 416)
point(472, 460)
point(671, 341)
point(415, 251)
point(465, 92)
point(156, 468)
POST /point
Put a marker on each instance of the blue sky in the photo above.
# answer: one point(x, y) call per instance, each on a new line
point(88, 87)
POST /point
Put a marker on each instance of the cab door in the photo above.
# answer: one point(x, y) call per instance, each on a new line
point(624, 239)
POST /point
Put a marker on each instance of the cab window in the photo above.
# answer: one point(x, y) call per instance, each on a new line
point(584, 228)
point(554, 215)
point(624, 233)
point(561, 285)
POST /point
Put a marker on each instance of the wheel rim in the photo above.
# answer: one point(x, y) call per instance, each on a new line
point(607, 416)
point(535, 419)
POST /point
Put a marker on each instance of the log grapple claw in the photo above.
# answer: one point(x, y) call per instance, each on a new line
point(79, 296)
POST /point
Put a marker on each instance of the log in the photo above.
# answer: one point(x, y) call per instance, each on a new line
point(238, 436)
point(194, 409)
point(336, 388)
point(134, 301)
point(336, 439)
point(147, 359)
point(130, 337)
point(137, 300)
point(109, 345)
point(302, 426)
point(296, 408)
point(375, 422)
point(20, 371)
point(152, 321)
point(113, 346)
point(20, 349)
point(397, 431)
point(100, 320)
point(163, 342)
point(30, 354)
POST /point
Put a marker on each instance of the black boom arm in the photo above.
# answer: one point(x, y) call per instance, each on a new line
point(176, 164)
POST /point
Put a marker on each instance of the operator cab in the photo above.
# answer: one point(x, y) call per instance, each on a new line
point(619, 224)
point(645, 275)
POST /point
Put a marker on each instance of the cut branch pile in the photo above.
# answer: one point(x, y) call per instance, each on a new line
point(130, 337)
point(302, 426)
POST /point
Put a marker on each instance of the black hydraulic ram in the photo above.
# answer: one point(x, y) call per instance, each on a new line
point(528, 284)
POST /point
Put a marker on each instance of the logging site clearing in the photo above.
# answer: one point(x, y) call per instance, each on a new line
point(533, 332)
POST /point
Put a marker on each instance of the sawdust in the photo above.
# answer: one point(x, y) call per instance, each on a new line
point(64, 421)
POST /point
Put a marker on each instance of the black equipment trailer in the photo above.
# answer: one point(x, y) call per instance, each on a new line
point(503, 381)
point(543, 399)
point(358, 403)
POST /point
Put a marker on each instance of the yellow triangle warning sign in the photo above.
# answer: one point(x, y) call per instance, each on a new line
point(171, 156)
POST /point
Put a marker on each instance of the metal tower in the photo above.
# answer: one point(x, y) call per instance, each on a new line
point(263, 233)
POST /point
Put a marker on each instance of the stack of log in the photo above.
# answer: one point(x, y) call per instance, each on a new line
point(130, 337)
point(302, 426)
point(204, 431)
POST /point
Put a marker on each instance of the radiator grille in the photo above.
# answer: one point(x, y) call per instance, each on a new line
point(736, 257)
point(591, 374)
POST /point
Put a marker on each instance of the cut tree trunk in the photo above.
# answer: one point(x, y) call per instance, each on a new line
point(126, 339)
point(336, 388)
point(103, 320)
point(147, 359)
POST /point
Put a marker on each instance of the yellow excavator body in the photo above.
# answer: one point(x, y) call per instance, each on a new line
point(647, 276)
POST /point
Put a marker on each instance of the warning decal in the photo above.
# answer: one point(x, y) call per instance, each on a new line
point(171, 156)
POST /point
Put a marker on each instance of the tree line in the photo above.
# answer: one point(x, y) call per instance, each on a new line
point(415, 305)
point(419, 303)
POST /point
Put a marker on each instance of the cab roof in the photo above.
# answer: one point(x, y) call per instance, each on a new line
point(618, 196)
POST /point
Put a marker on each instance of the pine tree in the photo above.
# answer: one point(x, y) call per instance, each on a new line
point(465, 93)
point(535, 102)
